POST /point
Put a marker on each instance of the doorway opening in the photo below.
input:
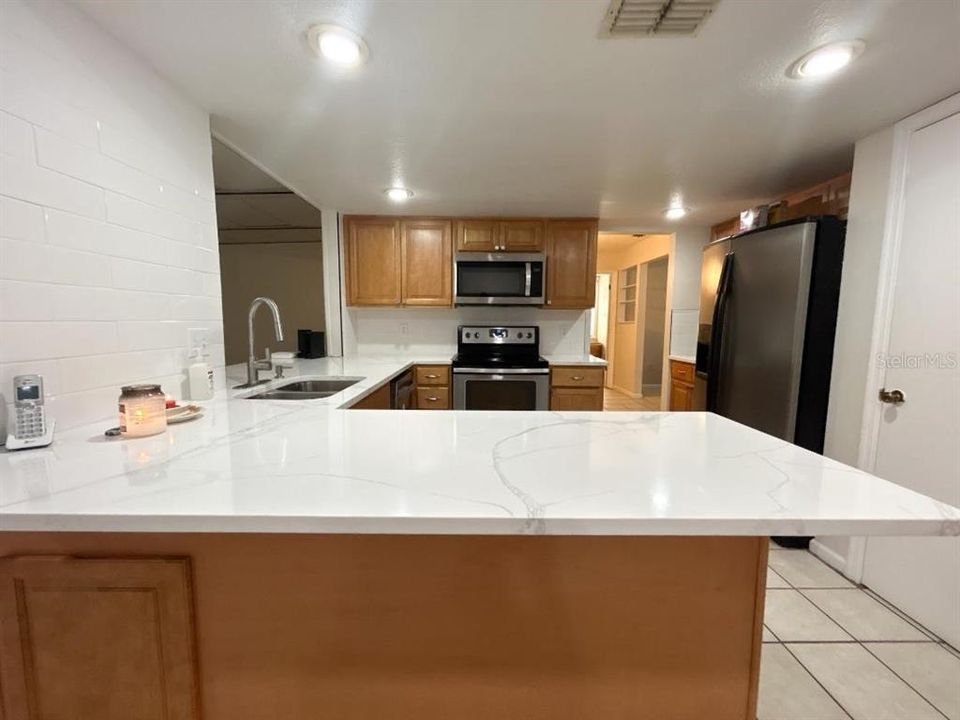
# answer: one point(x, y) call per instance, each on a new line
point(270, 246)
point(638, 317)
point(600, 316)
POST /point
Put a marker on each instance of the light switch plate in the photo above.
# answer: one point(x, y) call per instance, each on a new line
point(196, 341)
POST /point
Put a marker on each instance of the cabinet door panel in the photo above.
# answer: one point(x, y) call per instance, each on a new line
point(373, 261)
point(477, 235)
point(521, 235)
point(571, 263)
point(681, 397)
point(427, 253)
point(110, 639)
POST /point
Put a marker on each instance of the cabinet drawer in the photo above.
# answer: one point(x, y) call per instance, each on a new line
point(682, 371)
point(576, 399)
point(573, 376)
point(433, 398)
point(433, 375)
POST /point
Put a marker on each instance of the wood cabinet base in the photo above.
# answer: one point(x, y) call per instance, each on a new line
point(471, 627)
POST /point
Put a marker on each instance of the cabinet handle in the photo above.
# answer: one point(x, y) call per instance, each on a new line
point(577, 377)
point(432, 398)
point(431, 376)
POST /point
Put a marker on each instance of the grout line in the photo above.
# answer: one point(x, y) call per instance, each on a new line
point(857, 641)
point(899, 613)
point(816, 680)
point(904, 681)
point(822, 612)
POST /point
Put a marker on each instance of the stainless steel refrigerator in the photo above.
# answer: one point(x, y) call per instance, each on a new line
point(768, 315)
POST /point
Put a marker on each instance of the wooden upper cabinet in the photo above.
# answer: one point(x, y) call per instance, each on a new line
point(571, 249)
point(486, 235)
point(521, 235)
point(373, 258)
point(110, 639)
point(477, 235)
point(427, 256)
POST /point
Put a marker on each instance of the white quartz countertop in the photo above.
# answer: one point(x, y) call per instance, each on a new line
point(311, 467)
point(584, 360)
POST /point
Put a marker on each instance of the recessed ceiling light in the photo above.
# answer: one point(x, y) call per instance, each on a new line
point(337, 44)
point(826, 60)
point(676, 209)
point(398, 194)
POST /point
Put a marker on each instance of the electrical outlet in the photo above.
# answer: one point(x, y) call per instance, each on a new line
point(196, 342)
point(404, 329)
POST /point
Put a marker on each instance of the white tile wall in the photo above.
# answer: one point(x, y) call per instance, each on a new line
point(108, 239)
point(434, 330)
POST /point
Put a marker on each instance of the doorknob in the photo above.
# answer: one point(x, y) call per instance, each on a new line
point(893, 397)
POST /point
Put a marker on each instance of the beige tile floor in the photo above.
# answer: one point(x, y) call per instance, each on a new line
point(616, 400)
point(833, 651)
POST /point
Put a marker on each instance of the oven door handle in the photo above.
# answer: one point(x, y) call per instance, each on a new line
point(500, 373)
point(528, 279)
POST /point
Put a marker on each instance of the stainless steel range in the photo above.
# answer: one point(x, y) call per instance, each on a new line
point(500, 368)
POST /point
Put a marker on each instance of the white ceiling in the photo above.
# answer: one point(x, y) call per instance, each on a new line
point(249, 198)
point(234, 173)
point(521, 108)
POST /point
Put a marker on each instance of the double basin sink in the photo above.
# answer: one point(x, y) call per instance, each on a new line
point(305, 390)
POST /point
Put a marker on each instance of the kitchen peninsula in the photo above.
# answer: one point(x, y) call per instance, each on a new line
point(294, 559)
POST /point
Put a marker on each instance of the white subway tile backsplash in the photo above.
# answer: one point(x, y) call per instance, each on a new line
point(373, 331)
point(21, 301)
point(83, 233)
point(45, 263)
point(125, 211)
point(108, 242)
point(27, 181)
point(23, 341)
point(211, 283)
point(154, 160)
point(93, 371)
point(135, 275)
point(90, 165)
point(16, 137)
point(88, 406)
point(19, 97)
point(20, 220)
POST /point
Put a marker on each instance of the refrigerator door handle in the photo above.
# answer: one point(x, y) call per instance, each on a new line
point(716, 331)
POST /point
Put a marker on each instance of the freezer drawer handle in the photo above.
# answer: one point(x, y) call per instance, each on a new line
point(892, 397)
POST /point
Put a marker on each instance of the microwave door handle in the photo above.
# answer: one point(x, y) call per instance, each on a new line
point(716, 332)
point(528, 279)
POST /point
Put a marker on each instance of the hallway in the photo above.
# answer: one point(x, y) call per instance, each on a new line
point(621, 402)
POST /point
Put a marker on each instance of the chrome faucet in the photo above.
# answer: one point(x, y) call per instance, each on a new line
point(254, 366)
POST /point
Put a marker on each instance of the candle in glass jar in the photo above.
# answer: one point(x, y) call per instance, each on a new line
point(142, 410)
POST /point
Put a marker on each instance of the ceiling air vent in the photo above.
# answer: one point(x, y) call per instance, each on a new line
point(657, 17)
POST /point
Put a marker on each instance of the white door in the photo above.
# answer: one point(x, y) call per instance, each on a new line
point(918, 442)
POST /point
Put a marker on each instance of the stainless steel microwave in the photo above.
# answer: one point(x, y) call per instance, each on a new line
point(499, 278)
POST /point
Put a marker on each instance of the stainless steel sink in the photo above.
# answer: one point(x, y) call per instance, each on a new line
point(304, 390)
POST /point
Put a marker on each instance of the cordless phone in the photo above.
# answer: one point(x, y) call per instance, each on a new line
point(30, 426)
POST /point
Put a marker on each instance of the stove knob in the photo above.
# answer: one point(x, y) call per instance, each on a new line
point(529, 335)
point(477, 335)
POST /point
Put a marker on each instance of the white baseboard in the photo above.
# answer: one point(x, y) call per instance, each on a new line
point(830, 557)
point(626, 392)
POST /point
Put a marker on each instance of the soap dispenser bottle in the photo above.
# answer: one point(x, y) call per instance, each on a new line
point(200, 377)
